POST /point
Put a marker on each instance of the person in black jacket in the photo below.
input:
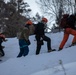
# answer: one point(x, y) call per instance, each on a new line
point(40, 36)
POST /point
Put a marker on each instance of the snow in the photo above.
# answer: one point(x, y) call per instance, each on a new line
point(54, 63)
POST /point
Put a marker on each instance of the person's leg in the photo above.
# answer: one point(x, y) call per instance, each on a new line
point(1, 50)
point(21, 44)
point(38, 45)
point(48, 40)
point(26, 51)
point(65, 38)
point(73, 32)
point(21, 52)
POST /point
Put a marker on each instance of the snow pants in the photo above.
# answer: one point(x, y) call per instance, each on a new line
point(24, 50)
point(67, 32)
point(40, 43)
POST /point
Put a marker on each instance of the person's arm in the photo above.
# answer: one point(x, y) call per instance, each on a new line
point(3, 37)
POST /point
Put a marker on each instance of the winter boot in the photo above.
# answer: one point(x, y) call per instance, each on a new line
point(73, 44)
point(51, 50)
point(60, 49)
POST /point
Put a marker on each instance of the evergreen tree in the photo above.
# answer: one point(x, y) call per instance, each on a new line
point(11, 16)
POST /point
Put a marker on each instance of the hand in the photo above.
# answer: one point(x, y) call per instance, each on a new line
point(5, 40)
point(28, 42)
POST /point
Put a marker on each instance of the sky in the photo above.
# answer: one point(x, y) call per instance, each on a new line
point(33, 6)
point(54, 63)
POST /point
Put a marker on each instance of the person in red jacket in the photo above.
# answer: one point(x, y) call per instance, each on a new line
point(69, 29)
point(2, 38)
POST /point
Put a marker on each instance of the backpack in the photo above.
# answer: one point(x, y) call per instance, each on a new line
point(63, 22)
point(71, 21)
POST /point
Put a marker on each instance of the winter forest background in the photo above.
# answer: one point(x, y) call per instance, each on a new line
point(14, 14)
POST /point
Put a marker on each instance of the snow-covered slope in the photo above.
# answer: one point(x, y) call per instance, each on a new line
point(42, 64)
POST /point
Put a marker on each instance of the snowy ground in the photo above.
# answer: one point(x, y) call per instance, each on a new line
point(42, 64)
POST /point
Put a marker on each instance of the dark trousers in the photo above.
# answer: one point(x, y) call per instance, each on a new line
point(1, 49)
point(24, 50)
point(39, 43)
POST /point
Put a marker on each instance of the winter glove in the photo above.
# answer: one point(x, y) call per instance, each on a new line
point(28, 42)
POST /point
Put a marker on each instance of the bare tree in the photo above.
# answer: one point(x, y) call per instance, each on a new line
point(55, 8)
point(75, 7)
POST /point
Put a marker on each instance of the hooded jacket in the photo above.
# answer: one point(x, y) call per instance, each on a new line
point(24, 34)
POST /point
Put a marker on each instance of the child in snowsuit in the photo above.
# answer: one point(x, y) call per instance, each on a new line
point(69, 29)
point(24, 40)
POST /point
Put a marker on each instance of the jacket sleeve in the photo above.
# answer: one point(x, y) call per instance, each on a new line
point(26, 34)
